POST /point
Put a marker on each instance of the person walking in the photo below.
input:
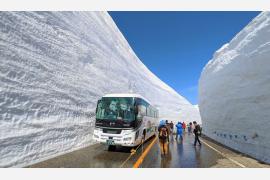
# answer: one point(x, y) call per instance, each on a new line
point(179, 131)
point(184, 126)
point(197, 133)
point(171, 127)
point(163, 137)
point(189, 127)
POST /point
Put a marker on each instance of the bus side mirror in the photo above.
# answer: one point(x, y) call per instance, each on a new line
point(98, 104)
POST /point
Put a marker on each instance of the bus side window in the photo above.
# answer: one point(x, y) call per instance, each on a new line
point(141, 109)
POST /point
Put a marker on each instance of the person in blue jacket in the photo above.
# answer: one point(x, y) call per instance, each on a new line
point(179, 131)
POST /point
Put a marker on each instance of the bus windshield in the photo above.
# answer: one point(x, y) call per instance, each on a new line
point(116, 108)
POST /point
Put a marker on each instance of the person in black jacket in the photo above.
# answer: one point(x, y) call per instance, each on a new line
point(197, 133)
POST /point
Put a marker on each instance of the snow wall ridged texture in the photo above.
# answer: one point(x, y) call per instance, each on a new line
point(234, 91)
point(54, 68)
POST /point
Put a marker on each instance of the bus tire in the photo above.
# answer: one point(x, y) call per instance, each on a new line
point(111, 148)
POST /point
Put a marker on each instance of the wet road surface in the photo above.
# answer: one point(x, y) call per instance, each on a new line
point(180, 155)
point(95, 156)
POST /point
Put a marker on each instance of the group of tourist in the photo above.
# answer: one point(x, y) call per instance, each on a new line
point(166, 132)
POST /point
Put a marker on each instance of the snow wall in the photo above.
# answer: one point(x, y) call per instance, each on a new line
point(234, 91)
point(54, 66)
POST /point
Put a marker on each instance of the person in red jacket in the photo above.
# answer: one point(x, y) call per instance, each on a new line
point(184, 126)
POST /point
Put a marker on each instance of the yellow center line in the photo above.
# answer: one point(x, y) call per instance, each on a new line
point(133, 152)
point(144, 154)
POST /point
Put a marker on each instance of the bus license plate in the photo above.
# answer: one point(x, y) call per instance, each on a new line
point(110, 142)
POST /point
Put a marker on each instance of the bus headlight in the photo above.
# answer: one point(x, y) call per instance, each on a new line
point(127, 132)
point(128, 139)
point(96, 131)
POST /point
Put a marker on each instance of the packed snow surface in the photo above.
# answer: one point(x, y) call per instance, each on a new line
point(234, 91)
point(54, 66)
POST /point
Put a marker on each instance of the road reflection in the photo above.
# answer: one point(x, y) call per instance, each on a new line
point(185, 154)
point(166, 158)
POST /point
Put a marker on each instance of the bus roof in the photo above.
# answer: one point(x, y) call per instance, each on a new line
point(127, 95)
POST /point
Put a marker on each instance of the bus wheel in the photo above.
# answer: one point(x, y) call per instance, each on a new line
point(111, 148)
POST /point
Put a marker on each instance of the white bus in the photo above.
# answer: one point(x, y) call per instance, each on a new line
point(124, 120)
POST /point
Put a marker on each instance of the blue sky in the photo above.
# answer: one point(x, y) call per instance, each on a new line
point(175, 46)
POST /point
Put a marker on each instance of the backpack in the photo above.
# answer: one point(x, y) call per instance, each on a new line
point(163, 132)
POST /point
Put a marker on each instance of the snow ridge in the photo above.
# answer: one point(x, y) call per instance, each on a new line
point(234, 96)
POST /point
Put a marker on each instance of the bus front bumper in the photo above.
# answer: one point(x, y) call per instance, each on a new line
point(114, 139)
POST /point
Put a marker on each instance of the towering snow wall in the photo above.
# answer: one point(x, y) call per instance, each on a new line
point(54, 66)
point(234, 91)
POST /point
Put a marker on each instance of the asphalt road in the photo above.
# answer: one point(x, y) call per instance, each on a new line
point(179, 155)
